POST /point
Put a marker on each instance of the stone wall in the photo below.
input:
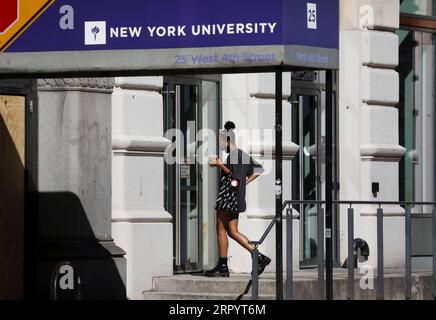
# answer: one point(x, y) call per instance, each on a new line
point(369, 133)
point(139, 223)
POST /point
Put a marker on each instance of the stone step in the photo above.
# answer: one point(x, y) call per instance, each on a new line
point(305, 287)
point(150, 295)
point(215, 285)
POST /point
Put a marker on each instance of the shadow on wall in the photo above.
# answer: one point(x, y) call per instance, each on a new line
point(65, 235)
point(38, 231)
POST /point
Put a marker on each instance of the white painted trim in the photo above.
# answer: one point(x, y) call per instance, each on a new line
point(141, 216)
point(134, 84)
point(267, 213)
point(263, 148)
point(140, 143)
point(382, 152)
point(388, 211)
point(269, 96)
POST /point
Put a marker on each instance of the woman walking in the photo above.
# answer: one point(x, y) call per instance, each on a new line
point(239, 170)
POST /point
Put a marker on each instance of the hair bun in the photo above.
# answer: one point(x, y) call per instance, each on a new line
point(229, 125)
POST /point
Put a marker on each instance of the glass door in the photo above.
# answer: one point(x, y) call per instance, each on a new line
point(209, 177)
point(417, 113)
point(181, 178)
point(417, 132)
point(191, 121)
point(307, 169)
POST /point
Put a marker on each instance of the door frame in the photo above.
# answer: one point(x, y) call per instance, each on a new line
point(298, 193)
point(27, 88)
point(198, 81)
point(170, 84)
point(309, 88)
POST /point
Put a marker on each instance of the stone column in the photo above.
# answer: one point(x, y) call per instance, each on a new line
point(140, 223)
point(369, 133)
point(71, 174)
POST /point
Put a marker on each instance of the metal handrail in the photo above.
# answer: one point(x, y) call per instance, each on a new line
point(357, 202)
point(321, 233)
point(254, 262)
point(265, 234)
point(254, 265)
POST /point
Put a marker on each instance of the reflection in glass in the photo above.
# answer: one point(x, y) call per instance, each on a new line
point(417, 115)
point(420, 7)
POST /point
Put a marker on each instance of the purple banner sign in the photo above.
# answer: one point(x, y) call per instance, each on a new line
point(297, 32)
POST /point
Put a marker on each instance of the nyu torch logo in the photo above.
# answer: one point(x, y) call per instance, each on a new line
point(95, 32)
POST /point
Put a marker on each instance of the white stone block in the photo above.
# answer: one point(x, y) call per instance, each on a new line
point(379, 48)
point(261, 194)
point(386, 174)
point(137, 182)
point(393, 229)
point(379, 125)
point(381, 152)
point(263, 84)
point(139, 83)
point(149, 249)
point(264, 110)
point(235, 87)
point(369, 14)
point(149, 144)
point(235, 100)
point(350, 114)
point(240, 259)
point(379, 86)
point(136, 112)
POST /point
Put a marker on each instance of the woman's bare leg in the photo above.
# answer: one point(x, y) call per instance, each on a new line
point(222, 218)
point(234, 233)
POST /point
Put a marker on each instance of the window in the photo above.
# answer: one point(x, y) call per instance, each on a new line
point(417, 115)
point(419, 7)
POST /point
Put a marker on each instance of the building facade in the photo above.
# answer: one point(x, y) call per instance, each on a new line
point(103, 191)
point(384, 124)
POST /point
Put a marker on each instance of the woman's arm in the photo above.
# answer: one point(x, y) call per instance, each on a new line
point(216, 162)
point(252, 177)
point(254, 171)
point(222, 167)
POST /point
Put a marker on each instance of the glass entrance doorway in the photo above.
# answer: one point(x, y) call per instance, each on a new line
point(190, 115)
point(417, 124)
point(307, 168)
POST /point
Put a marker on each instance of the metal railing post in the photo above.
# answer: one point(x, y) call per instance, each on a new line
point(320, 252)
point(279, 182)
point(434, 252)
point(289, 252)
point(350, 253)
point(254, 262)
point(254, 274)
point(380, 264)
point(408, 226)
point(323, 234)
